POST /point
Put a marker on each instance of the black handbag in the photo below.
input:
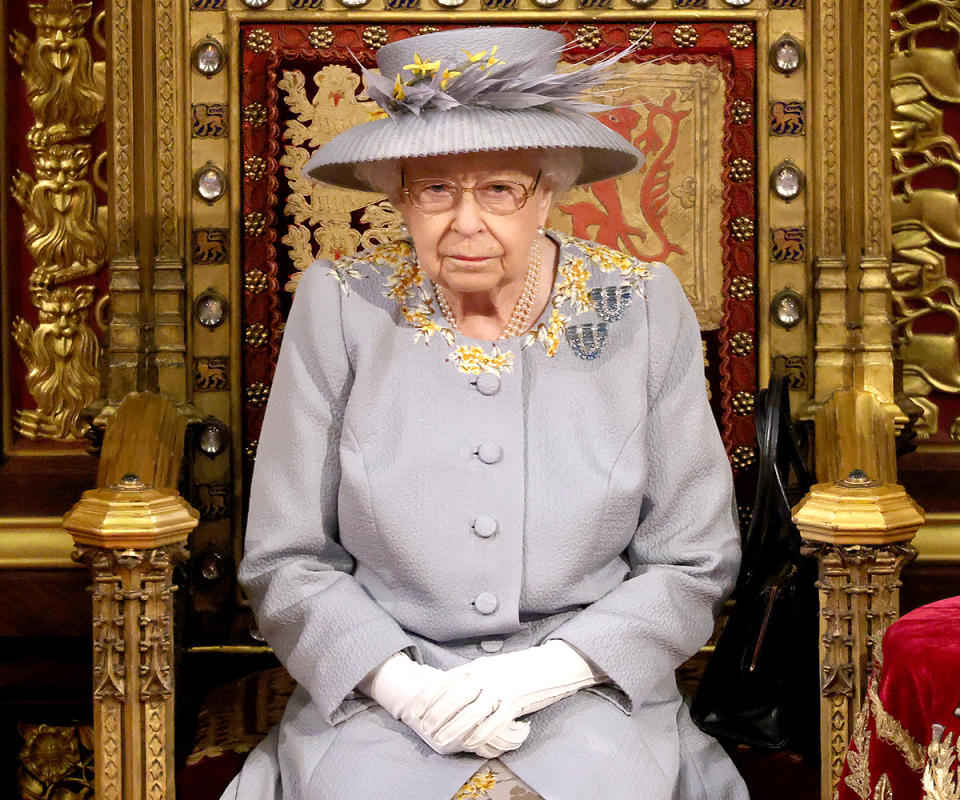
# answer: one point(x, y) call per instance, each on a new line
point(760, 685)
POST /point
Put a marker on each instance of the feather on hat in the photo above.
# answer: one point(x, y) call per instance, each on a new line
point(478, 89)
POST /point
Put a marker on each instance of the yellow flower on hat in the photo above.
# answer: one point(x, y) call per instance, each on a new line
point(448, 74)
point(474, 57)
point(398, 89)
point(492, 61)
point(422, 68)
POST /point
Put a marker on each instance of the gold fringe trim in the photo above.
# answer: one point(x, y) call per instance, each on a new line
point(891, 731)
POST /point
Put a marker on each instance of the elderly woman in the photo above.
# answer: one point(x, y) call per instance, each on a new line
point(491, 513)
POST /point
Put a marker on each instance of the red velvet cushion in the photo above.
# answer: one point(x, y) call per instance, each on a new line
point(918, 687)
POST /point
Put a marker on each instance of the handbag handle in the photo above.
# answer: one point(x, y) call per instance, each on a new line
point(779, 453)
point(787, 450)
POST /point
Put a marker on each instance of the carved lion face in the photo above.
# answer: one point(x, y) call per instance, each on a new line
point(60, 25)
point(61, 169)
point(63, 310)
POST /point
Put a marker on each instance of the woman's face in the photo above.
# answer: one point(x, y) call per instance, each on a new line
point(468, 249)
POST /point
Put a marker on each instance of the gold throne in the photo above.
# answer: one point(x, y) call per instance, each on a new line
point(161, 224)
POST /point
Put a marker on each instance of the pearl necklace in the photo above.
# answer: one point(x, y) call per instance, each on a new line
point(519, 318)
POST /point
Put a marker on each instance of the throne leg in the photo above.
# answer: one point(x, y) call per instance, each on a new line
point(858, 530)
point(133, 670)
point(859, 589)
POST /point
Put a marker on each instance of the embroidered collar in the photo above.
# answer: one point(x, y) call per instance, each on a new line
point(395, 263)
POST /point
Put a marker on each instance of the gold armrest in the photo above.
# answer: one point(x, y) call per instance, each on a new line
point(131, 530)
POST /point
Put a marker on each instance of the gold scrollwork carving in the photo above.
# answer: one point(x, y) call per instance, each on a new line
point(65, 94)
point(924, 79)
point(321, 215)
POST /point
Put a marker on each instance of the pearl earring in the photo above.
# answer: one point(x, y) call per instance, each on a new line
point(541, 230)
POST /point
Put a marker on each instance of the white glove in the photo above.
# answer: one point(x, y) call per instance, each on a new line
point(409, 692)
point(513, 683)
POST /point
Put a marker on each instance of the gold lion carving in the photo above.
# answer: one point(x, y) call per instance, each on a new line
point(61, 355)
point(59, 213)
point(64, 91)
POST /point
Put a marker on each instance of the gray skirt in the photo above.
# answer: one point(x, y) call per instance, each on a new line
point(493, 781)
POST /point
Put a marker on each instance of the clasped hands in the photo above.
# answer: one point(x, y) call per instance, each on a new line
point(475, 707)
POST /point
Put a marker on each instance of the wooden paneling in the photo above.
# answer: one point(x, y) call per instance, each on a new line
point(44, 603)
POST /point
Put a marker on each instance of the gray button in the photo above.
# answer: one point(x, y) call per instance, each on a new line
point(491, 645)
point(484, 526)
point(490, 453)
point(487, 383)
point(485, 603)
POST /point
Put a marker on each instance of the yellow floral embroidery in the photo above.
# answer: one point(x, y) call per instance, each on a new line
point(344, 271)
point(608, 259)
point(402, 280)
point(404, 283)
point(477, 787)
point(550, 333)
point(419, 316)
point(474, 360)
point(572, 284)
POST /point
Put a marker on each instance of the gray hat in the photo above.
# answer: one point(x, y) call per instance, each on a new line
point(469, 97)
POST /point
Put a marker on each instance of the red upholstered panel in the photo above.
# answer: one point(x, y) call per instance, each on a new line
point(285, 226)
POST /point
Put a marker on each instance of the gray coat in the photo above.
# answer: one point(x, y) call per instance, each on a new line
point(412, 493)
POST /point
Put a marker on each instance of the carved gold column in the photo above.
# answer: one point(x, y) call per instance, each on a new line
point(873, 367)
point(130, 535)
point(125, 351)
point(833, 366)
point(147, 135)
point(859, 530)
point(169, 284)
point(857, 520)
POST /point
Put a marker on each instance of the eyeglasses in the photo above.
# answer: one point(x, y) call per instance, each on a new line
point(436, 196)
